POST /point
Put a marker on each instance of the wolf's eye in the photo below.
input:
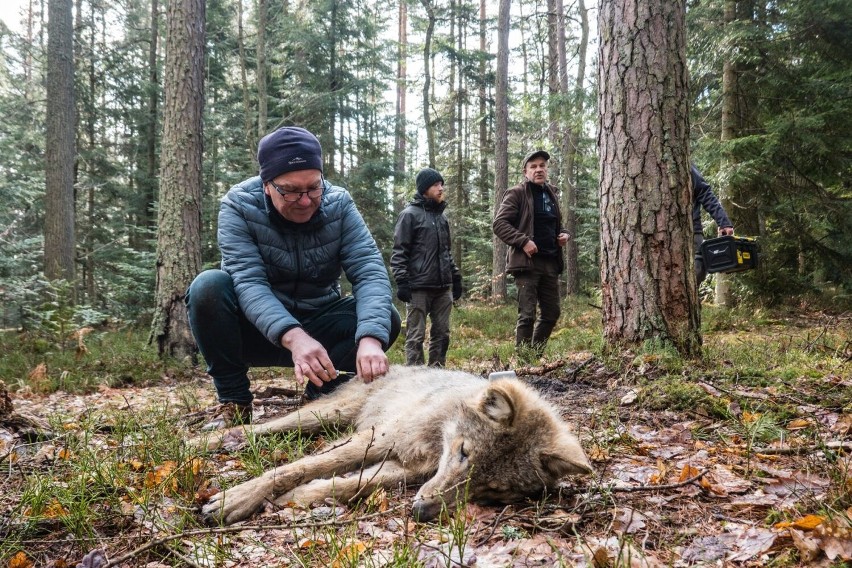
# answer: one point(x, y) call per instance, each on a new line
point(462, 452)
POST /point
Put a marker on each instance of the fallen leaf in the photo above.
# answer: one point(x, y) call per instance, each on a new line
point(688, 472)
point(349, 554)
point(749, 417)
point(807, 546)
point(628, 521)
point(798, 424)
point(161, 474)
point(311, 542)
point(630, 397)
point(710, 389)
point(806, 523)
point(752, 542)
point(843, 426)
point(20, 560)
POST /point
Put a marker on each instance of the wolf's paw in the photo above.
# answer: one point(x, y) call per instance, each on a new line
point(237, 503)
point(231, 439)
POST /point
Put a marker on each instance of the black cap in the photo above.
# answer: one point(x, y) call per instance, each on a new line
point(288, 149)
point(426, 178)
point(534, 154)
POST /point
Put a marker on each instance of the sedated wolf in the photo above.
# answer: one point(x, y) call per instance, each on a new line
point(457, 433)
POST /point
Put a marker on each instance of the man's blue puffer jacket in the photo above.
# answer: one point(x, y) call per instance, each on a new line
point(284, 271)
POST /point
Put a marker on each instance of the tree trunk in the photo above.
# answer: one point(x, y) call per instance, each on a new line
point(501, 150)
point(399, 123)
point(729, 132)
point(249, 132)
point(647, 282)
point(427, 81)
point(553, 70)
point(262, 113)
point(150, 188)
point(483, 110)
point(60, 145)
point(179, 220)
point(570, 142)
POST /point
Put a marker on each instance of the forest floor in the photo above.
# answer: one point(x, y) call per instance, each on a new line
point(722, 463)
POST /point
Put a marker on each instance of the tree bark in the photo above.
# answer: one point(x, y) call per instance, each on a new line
point(178, 237)
point(647, 280)
point(729, 132)
point(571, 141)
point(60, 145)
point(151, 125)
point(250, 133)
point(400, 142)
point(501, 143)
point(262, 113)
point(484, 174)
point(427, 81)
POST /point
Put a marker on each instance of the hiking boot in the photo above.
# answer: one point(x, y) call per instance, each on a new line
point(229, 414)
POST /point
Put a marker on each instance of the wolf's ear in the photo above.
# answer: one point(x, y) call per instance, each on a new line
point(497, 404)
point(565, 457)
point(558, 466)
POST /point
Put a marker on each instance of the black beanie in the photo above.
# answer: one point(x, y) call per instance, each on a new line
point(426, 178)
point(288, 149)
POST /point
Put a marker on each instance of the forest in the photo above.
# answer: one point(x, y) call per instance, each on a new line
point(125, 123)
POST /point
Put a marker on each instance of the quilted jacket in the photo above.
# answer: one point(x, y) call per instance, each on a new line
point(421, 246)
point(283, 271)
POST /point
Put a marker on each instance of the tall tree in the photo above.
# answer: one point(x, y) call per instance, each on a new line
point(501, 150)
point(400, 141)
point(647, 274)
point(60, 144)
point(427, 80)
point(250, 132)
point(482, 119)
point(153, 107)
point(179, 219)
point(571, 139)
point(729, 131)
point(262, 113)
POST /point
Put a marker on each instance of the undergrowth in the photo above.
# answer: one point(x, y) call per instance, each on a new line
point(106, 474)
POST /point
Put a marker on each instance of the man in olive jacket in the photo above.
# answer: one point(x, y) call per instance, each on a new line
point(427, 279)
point(530, 222)
point(285, 236)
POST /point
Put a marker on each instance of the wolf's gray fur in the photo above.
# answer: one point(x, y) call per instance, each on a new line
point(458, 434)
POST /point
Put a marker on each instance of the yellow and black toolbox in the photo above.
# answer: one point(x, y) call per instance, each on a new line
point(730, 254)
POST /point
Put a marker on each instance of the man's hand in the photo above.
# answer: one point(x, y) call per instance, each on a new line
point(371, 361)
point(458, 289)
point(725, 231)
point(530, 248)
point(403, 291)
point(562, 239)
point(310, 359)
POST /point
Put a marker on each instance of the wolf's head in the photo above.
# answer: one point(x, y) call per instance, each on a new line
point(506, 446)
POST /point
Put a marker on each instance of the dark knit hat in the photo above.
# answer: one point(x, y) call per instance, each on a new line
point(534, 154)
point(288, 149)
point(426, 178)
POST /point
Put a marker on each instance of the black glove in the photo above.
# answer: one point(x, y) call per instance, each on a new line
point(457, 287)
point(403, 292)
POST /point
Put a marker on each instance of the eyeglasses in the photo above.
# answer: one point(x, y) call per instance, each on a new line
point(293, 196)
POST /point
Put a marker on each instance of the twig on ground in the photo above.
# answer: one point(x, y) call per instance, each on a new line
point(235, 529)
point(540, 369)
point(796, 450)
